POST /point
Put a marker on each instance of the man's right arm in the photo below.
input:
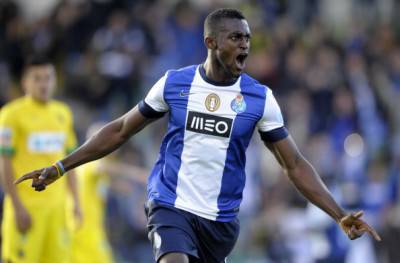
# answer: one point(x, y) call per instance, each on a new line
point(114, 134)
point(107, 139)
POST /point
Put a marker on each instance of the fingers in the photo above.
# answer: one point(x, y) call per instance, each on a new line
point(355, 233)
point(372, 232)
point(43, 176)
point(375, 235)
point(28, 176)
point(40, 187)
point(357, 214)
point(39, 184)
point(355, 227)
point(40, 178)
point(349, 219)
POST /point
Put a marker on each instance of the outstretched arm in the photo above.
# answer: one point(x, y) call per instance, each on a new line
point(308, 182)
point(304, 177)
point(105, 141)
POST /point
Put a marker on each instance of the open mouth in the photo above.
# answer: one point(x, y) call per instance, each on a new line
point(240, 59)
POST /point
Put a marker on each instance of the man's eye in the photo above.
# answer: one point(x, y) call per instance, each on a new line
point(240, 38)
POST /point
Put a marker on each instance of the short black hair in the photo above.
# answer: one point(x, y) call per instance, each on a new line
point(36, 60)
point(213, 19)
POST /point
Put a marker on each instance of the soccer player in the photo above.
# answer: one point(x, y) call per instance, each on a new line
point(89, 240)
point(195, 188)
point(35, 131)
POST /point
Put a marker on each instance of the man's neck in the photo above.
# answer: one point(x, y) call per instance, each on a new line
point(37, 100)
point(216, 72)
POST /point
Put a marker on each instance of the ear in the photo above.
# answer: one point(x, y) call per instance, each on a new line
point(210, 42)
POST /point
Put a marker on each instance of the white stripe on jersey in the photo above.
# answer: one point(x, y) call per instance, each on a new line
point(203, 157)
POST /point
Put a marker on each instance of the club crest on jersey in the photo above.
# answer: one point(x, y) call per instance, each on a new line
point(238, 104)
point(212, 102)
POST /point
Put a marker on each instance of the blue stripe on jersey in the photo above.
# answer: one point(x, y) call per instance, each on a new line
point(233, 179)
point(164, 176)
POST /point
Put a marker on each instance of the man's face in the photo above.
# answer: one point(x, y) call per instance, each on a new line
point(39, 82)
point(233, 43)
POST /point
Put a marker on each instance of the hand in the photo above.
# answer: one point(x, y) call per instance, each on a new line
point(354, 227)
point(40, 178)
point(23, 218)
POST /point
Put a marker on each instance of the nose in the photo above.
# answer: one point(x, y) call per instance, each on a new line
point(244, 44)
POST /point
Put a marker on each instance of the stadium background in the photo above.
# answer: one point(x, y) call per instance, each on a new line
point(334, 67)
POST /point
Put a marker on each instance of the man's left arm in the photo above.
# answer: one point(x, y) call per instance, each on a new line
point(308, 182)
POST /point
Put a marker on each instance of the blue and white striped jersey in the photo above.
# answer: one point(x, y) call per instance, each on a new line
point(201, 165)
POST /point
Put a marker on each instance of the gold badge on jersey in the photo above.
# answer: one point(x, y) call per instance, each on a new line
point(212, 102)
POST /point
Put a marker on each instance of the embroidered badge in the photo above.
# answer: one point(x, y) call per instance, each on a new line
point(238, 104)
point(212, 102)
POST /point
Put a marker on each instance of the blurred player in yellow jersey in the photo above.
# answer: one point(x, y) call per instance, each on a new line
point(36, 130)
point(89, 240)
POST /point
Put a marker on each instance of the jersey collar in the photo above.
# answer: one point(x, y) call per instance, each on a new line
point(212, 82)
point(32, 101)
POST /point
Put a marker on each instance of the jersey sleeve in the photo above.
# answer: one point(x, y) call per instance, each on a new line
point(8, 132)
point(271, 126)
point(71, 141)
point(154, 105)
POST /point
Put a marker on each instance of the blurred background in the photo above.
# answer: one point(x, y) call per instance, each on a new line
point(334, 67)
